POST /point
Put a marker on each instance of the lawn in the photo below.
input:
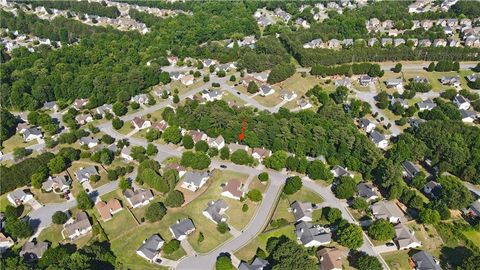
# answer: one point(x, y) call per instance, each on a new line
point(116, 226)
point(76, 165)
point(182, 89)
point(46, 197)
point(127, 128)
point(229, 97)
point(473, 236)
point(397, 260)
point(53, 234)
point(14, 142)
point(270, 100)
point(3, 202)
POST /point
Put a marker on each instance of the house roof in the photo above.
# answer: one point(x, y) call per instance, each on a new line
point(17, 194)
point(81, 223)
point(342, 82)
point(460, 99)
point(386, 209)
point(476, 206)
point(182, 227)
point(330, 258)
point(32, 131)
point(215, 208)
point(364, 122)
point(88, 140)
point(138, 121)
point(151, 246)
point(467, 114)
point(85, 173)
point(262, 152)
point(302, 209)
point(162, 125)
point(425, 261)
point(59, 180)
point(196, 135)
point(138, 196)
point(366, 190)
point(233, 186)
point(265, 89)
point(175, 166)
point(49, 105)
point(428, 103)
point(307, 233)
point(257, 264)
point(106, 209)
point(32, 251)
point(340, 171)
point(403, 236)
point(218, 141)
point(235, 146)
point(194, 178)
point(376, 136)
point(410, 168)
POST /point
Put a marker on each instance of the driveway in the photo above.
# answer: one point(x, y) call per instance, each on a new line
point(385, 248)
point(34, 204)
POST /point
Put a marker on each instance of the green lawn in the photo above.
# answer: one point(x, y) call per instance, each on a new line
point(116, 226)
point(53, 234)
point(474, 236)
point(3, 202)
point(127, 128)
point(397, 260)
point(14, 142)
point(46, 197)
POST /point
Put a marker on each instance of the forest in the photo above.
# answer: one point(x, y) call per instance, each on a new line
point(90, 8)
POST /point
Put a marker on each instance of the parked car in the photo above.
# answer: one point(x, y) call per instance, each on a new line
point(223, 166)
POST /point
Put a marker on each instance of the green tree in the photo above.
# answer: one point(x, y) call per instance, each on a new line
point(360, 203)
point(345, 188)
point(241, 157)
point(155, 212)
point(332, 214)
point(263, 177)
point(224, 263)
point(224, 153)
point(429, 216)
point(349, 235)
point(245, 207)
point(38, 178)
point(174, 199)
point(20, 152)
point(119, 109)
point(255, 195)
point(317, 170)
point(340, 95)
point(197, 160)
point(201, 146)
point(123, 184)
point(83, 201)
point(18, 228)
point(397, 68)
point(367, 262)
point(471, 263)
point(59, 217)
point(151, 150)
point(172, 135)
point(289, 255)
point(431, 67)
point(222, 227)
point(381, 230)
point(117, 123)
point(252, 87)
point(187, 142)
point(153, 134)
point(277, 160)
point(292, 185)
point(201, 237)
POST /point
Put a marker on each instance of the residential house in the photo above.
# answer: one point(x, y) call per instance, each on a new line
point(261, 76)
point(312, 235)
point(261, 153)
point(233, 189)
point(78, 227)
point(453, 42)
point(412, 41)
point(33, 251)
point(462, 102)
point(107, 210)
point(450, 80)
point(378, 139)
point(80, 103)
point(140, 99)
point(302, 210)
point(140, 123)
point(235, 146)
point(334, 43)
point(365, 80)
point(139, 197)
point(288, 95)
point(427, 104)
point(257, 264)
point(31, 134)
point(126, 153)
point(84, 174)
point(150, 249)
point(393, 82)
point(194, 180)
point(419, 79)
point(161, 126)
point(21, 127)
point(414, 122)
point(302, 23)
point(90, 142)
point(266, 90)
point(473, 77)
point(104, 109)
point(18, 197)
point(432, 189)
point(338, 171)
point(347, 42)
point(304, 104)
point(474, 209)
point(209, 62)
point(316, 43)
point(215, 211)
point(5, 243)
point(51, 106)
point(59, 182)
point(343, 82)
point(468, 116)
point(182, 229)
point(398, 41)
point(331, 258)
point(424, 43)
point(82, 119)
point(172, 60)
point(439, 42)
point(187, 80)
point(425, 261)
point(218, 142)
point(197, 135)
point(177, 167)
point(472, 41)
point(388, 210)
point(371, 42)
point(366, 124)
point(400, 101)
point(367, 191)
point(386, 41)
point(410, 170)
point(404, 238)
point(211, 95)
point(175, 75)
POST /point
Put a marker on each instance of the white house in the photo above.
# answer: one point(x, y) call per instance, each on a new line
point(266, 90)
point(18, 197)
point(31, 134)
point(140, 123)
point(468, 116)
point(182, 229)
point(194, 180)
point(218, 142)
point(126, 153)
point(5, 243)
point(139, 197)
point(140, 99)
point(378, 139)
point(150, 249)
point(215, 211)
point(78, 227)
point(462, 102)
point(387, 210)
point(90, 142)
point(187, 80)
point(211, 95)
point(261, 153)
point(288, 95)
point(59, 182)
point(366, 124)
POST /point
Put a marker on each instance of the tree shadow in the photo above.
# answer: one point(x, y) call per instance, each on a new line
point(454, 256)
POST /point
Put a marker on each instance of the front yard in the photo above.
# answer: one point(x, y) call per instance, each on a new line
point(15, 141)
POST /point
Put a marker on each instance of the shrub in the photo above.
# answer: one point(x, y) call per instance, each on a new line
point(171, 246)
point(222, 227)
point(292, 185)
point(263, 177)
point(59, 217)
point(255, 195)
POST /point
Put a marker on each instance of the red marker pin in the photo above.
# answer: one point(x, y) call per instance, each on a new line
point(242, 134)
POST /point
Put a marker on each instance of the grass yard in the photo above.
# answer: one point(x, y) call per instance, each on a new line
point(127, 128)
point(182, 89)
point(229, 97)
point(15, 141)
point(270, 100)
point(474, 236)
point(427, 234)
point(3, 202)
point(46, 197)
point(53, 234)
point(397, 260)
point(298, 84)
point(116, 226)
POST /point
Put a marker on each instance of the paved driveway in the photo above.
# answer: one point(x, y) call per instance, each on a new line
point(34, 204)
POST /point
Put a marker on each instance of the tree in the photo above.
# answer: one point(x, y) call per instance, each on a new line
point(397, 68)
point(201, 237)
point(280, 73)
point(38, 178)
point(83, 201)
point(171, 246)
point(287, 254)
point(201, 146)
point(224, 263)
point(255, 195)
point(332, 214)
point(212, 152)
point(345, 188)
point(20, 152)
point(134, 105)
point(124, 184)
point(18, 228)
point(119, 109)
point(187, 142)
point(172, 135)
point(277, 160)
point(317, 170)
point(241, 157)
point(381, 229)
point(107, 139)
point(117, 123)
point(59, 217)
point(340, 95)
point(155, 212)
point(176, 98)
point(471, 263)
point(151, 149)
point(263, 177)
point(224, 153)
point(429, 216)
point(367, 262)
point(252, 87)
point(197, 160)
point(349, 235)
point(174, 199)
point(360, 203)
point(153, 134)
point(431, 67)
point(453, 193)
point(233, 78)
point(292, 185)
point(245, 207)
point(222, 227)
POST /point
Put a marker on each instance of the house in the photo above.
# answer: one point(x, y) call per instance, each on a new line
point(233, 189)
point(412, 41)
point(266, 90)
point(107, 210)
point(432, 189)
point(398, 41)
point(21, 127)
point(302, 23)
point(235, 146)
point(371, 42)
point(427, 104)
point(140, 99)
point(462, 102)
point(84, 174)
point(140, 123)
point(139, 197)
point(82, 119)
point(468, 116)
point(172, 60)
point(51, 106)
point(78, 227)
point(367, 191)
point(424, 43)
point(453, 42)
point(393, 83)
point(126, 153)
point(302, 210)
point(59, 182)
point(31, 134)
point(150, 249)
point(18, 197)
point(410, 170)
point(334, 43)
point(215, 211)
point(343, 82)
point(160, 126)
point(472, 41)
point(194, 180)
point(414, 122)
point(347, 42)
point(303, 103)
point(177, 167)
point(404, 238)
point(187, 80)
point(450, 80)
point(474, 209)
point(386, 41)
point(473, 77)
point(104, 109)
point(261, 76)
point(387, 210)
point(366, 124)
point(197, 135)
point(365, 80)
point(209, 62)
point(257, 264)
point(418, 79)
point(182, 229)
point(312, 235)
point(261, 153)
point(338, 171)
point(5, 243)
point(330, 258)
point(211, 95)
point(439, 42)
point(90, 142)
point(33, 251)
point(378, 139)
point(288, 95)
point(218, 142)
point(425, 261)
point(175, 75)
point(79, 103)
point(316, 43)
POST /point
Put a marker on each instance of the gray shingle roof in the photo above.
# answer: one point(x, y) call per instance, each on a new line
point(151, 246)
point(425, 261)
point(216, 208)
point(33, 251)
point(301, 209)
point(85, 173)
point(376, 136)
point(366, 190)
point(307, 233)
point(257, 264)
point(194, 178)
point(410, 168)
point(182, 227)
